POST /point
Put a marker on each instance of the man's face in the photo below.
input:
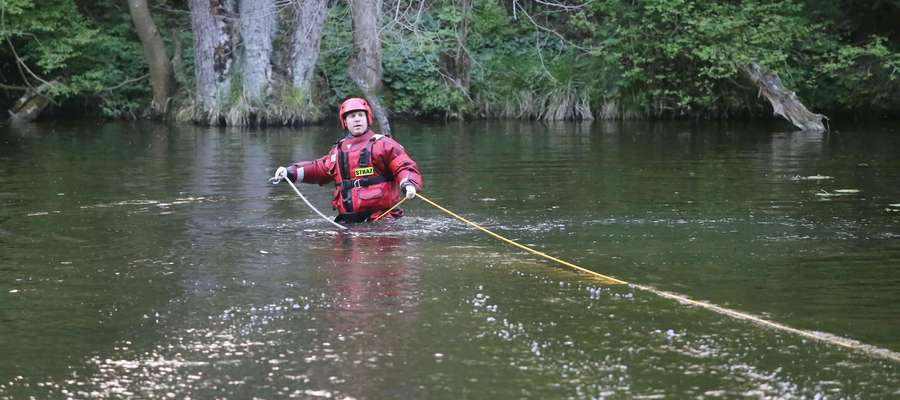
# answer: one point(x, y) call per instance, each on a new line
point(357, 122)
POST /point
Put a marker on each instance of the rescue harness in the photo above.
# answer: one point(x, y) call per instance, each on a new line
point(349, 178)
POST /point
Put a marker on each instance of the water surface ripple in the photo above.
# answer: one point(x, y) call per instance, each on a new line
point(150, 261)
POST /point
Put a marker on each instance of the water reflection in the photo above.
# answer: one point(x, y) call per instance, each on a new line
point(788, 150)
point(372, 272)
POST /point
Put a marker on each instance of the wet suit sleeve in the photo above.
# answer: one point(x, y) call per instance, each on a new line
point(319, 171)
point(400, 164)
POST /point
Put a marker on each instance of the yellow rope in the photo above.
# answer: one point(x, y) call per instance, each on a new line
point(390, 209)
point(606, 279)
point(821, 336)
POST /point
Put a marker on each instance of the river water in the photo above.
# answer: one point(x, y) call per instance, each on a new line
point(151, 261)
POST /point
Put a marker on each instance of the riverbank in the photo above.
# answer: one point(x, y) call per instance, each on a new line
point(453, 61)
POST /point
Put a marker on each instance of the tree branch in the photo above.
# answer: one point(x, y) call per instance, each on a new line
point(561, 5)
point(545, 29)
point(21, 64)
point(14, 87)
point(125, 82)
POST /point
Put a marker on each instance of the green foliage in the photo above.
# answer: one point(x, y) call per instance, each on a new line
point(647, 58)
point(522, 69)
point(336, 47)
point(680, 57)
point(859, 77)
point(413, 72)
point(291, 106)
point(414, 84)
point(294, 97)
point(91, 58)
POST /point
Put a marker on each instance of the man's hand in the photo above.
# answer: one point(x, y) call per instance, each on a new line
point(409, 190)
point(280, 173)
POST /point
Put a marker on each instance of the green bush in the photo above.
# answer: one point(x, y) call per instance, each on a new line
point(96, 58)
point(615, 58)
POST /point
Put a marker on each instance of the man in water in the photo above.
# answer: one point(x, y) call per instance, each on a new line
point(370, 171)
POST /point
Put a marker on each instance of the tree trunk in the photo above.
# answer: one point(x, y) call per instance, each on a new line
point(462, 64)
point(308, 26)
point(213, 27)
point(784, 102)
point(162, 75)
point(365, 65)
point(258, 25)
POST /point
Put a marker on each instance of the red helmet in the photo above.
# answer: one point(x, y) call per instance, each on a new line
point(354, 104)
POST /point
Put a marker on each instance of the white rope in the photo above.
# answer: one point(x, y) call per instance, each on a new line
point(815, 335)
point(311, 206)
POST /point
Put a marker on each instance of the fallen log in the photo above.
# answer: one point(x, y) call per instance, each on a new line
point(784, 102)
point(31, 104)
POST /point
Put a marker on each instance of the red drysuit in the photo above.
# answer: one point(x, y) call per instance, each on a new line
point(368, 172)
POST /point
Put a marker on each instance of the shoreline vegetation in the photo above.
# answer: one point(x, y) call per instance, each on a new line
point(279, 62)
